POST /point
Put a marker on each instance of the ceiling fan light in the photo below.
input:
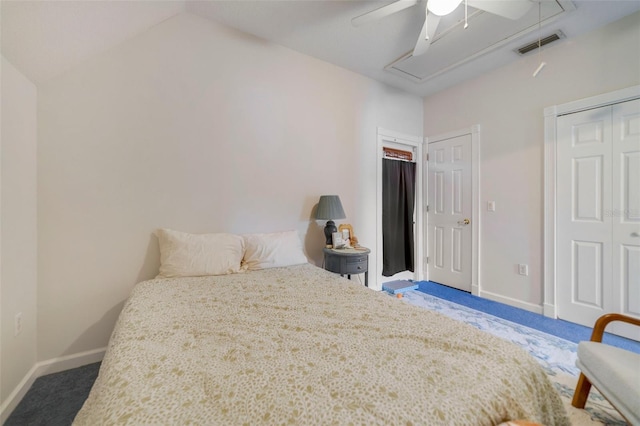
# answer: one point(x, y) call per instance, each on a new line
point(442, 7)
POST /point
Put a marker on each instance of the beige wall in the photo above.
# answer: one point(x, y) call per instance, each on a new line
point(200, 128)
point(18, 251)
point(508, 104)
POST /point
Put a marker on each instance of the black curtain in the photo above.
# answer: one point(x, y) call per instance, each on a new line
point(398, 202)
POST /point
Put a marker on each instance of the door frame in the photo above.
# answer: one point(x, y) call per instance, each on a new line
point(393, 139)
point(551, 114)
point(474, 131)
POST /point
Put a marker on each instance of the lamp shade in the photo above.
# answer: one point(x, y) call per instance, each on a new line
point(329, 208)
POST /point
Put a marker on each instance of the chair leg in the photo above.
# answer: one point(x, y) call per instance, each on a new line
point(582, 392)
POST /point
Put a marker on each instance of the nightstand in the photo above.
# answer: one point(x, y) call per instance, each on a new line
point(348, 261)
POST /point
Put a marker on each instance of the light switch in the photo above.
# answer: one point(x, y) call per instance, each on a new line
point(491, 206)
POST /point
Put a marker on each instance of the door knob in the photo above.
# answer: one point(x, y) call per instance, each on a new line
point(464, 222)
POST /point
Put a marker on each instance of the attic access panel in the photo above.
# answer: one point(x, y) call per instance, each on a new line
point(453, 45)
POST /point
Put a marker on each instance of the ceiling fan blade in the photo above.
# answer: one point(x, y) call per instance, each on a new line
point(431, 25)
point(380, 13)
point(511, 9)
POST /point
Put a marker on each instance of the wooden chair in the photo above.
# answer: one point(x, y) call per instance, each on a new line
point(615, 372)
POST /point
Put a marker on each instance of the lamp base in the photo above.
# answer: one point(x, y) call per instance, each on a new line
point(329, 229)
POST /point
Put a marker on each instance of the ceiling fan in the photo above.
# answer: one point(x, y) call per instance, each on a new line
point(435, 9)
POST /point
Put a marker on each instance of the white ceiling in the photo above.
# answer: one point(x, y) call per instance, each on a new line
point(45, 38)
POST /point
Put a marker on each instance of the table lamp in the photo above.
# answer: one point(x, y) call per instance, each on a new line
point(329, 208)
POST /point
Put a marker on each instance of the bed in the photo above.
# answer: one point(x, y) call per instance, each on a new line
point(300, 345)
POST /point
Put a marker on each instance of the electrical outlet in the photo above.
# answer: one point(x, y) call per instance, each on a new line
point(523, 269)
point(17, 324)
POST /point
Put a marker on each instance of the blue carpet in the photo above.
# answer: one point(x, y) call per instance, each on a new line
point(564, 329)
point(55, 399)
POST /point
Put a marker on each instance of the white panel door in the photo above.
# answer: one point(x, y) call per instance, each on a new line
point(598, 214)
point(449, 214)
point(584, 228)
point(625, 212)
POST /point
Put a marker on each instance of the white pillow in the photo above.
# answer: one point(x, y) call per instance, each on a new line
point(189, 255)
point(272, 250)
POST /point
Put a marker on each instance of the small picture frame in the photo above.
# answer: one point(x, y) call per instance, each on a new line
point(347, 234)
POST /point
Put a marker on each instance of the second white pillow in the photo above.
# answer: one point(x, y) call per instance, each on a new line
point(272, 250)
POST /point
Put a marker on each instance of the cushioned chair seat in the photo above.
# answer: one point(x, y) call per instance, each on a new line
point(616, 374)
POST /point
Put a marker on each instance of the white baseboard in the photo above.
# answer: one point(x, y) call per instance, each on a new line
point(511, 302)
point(68, 362)
point(42, 368)
point(16, 396)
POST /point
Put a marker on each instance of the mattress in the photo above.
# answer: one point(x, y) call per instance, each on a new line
point(300, 345)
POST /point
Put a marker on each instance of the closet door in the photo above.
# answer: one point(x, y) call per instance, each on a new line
point(584, 228)
point(598, 214)
point(625, 211)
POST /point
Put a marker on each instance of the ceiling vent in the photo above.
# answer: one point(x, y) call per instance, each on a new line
point(523, 50)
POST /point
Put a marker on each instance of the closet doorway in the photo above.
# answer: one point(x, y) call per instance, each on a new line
point(598, 217)
point(595, 200)
point(398, 217)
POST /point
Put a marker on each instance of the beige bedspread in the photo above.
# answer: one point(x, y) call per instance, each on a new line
point(300, 345)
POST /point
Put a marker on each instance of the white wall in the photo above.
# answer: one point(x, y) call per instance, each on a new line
point(508, 104)
point(200, 128)
point(18, 251)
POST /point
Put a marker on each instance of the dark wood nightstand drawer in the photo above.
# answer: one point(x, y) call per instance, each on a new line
point(357, 265)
